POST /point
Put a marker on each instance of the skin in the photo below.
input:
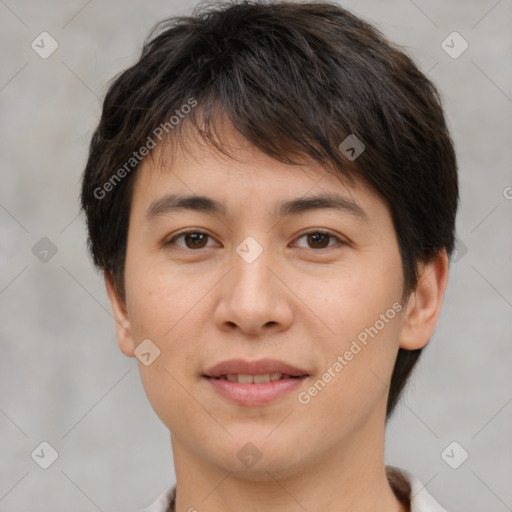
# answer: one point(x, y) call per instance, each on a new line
point(301, 301)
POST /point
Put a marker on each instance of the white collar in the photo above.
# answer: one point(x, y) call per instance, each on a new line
point(421, 500)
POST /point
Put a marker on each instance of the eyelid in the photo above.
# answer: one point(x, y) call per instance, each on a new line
point(170, 240)
point(341, 241)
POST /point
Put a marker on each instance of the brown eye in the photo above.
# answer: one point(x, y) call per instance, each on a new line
point(193, 239)
point(319, 239)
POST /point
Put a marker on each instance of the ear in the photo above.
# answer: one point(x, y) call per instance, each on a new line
point(424, 304)
point(123, 327)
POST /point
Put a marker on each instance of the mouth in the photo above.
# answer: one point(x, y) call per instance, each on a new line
point(256, 379)
point(258, 371)
point(254, 383)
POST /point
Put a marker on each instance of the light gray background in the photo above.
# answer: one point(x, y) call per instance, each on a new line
point(63, 379)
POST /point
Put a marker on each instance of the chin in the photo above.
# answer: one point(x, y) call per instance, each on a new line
point(258, 460)
point(264, 470)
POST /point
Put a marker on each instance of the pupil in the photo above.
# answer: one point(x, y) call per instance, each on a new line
point(316, 235)
point(195, 237)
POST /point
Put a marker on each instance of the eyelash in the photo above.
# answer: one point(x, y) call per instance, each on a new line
point(313, 232)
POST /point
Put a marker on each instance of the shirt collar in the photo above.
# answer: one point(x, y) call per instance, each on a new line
point(421, 500)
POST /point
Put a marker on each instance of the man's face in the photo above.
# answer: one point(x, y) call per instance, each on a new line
point(256, 283)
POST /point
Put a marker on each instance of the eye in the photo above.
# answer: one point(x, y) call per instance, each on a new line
point(193, 239)
point(320, 239)
point(198, 239)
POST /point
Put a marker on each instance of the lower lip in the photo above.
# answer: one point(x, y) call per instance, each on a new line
point(255, 394)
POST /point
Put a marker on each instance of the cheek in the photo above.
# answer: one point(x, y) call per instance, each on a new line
point(359, 312)
point(157, 300)
point(350, 300)
point(166, 309)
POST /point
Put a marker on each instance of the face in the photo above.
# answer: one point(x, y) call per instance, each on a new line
point(315, 285)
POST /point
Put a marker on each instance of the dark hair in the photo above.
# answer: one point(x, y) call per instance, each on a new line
point(295, 79)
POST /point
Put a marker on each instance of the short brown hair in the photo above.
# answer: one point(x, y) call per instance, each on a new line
point(295, 79)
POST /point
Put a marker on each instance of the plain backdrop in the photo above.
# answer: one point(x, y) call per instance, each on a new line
point(63, 379)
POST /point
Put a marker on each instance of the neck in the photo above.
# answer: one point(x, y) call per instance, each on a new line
point(351, 477)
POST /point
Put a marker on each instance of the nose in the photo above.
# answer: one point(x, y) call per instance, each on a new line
point(253, 298)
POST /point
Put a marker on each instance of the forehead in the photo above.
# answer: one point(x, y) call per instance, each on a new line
point(244, 179)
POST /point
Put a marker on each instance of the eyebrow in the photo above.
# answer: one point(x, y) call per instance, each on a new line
point(172, 203)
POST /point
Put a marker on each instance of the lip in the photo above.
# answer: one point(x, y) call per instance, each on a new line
point(254, 394)
point(259, 367)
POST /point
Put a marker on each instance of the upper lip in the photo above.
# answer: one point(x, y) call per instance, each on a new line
point(259, 367)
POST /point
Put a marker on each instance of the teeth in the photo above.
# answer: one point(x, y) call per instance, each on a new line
point(261, 379)
point(255, 379)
